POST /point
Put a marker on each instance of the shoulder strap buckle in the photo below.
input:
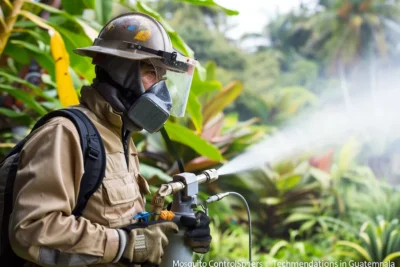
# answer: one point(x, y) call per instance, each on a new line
point(93, 153)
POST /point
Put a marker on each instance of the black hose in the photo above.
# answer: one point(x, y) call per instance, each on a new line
point(221, 196)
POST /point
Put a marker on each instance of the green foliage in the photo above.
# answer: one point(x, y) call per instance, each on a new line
point(182, 135)
point(19, 116)
point(75, 33)
point(176, 40)
point(340, 33)
point(73, 7)
point(275, 92)
point(210, 143)
point(102, 10)
point(221, 100)
point(230, 244)
point(301, 211)
point(211, 3)
point(209, 44)
point(380, 242)
point(298, 250)
point(150, 172)
point(24, 97)
point(380, 201)
point(293, 198)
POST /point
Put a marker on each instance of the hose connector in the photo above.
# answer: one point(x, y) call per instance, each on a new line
point(216, 197)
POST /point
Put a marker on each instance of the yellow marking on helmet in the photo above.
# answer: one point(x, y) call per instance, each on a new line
point(143, 35)
point(110, 26)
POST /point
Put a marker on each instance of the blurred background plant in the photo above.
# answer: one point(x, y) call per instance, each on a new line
point(334, 204)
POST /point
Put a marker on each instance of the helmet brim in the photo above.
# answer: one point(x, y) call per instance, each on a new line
point(91, 51)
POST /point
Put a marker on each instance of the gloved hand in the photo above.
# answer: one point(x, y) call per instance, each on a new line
point(197, 235)
point(146, 241)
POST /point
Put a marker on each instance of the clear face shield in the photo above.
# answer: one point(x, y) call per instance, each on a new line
point(178, 76)
point(179, 84)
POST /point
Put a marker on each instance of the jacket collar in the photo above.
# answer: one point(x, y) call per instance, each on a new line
point(100, 107)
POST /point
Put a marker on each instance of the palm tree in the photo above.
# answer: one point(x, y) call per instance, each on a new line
point(344, 35)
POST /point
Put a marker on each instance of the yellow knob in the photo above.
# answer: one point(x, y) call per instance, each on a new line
point(167, 215)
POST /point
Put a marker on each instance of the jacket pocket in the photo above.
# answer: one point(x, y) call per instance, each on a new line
point(121, 193)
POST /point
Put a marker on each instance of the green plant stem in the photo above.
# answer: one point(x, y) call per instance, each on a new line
point(9, 24)
point(3, 23)
point(8, 4)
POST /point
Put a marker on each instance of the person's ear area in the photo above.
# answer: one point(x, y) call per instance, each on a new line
point(148, 79)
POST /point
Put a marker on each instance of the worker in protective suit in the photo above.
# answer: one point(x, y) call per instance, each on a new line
point(140, 81)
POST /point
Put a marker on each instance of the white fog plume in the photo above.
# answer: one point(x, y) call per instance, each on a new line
point(371, 117)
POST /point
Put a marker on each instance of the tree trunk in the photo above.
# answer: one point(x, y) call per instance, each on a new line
point(10, 21)
point(344, 86)
point(373, 81)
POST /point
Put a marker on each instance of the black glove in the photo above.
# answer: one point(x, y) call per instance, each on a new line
point(197, 235)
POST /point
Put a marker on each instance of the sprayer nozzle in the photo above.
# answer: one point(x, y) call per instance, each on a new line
point(212, 174)
point(207, 176)
point(216, 197)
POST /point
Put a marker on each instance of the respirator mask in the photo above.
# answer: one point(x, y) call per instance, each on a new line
point(144, 109)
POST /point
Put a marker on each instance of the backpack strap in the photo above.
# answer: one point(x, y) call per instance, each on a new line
point(6, 252)
point(94, 160)
point(94, 168)
point(94, 154)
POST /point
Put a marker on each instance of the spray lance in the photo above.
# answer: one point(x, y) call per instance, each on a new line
point(184, 187)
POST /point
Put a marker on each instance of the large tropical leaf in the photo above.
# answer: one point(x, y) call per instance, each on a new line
point(82, 65)
point(34, 88)
point(187, 137)
point(211, 3)
point(200, 163)
point(297, 217)
point(287, 183)
point(80, 26)
point(200, 86)
point(90, 3)
point(148, 172)
point(194, 109)
point(19, 116)
point(19, 55)
point(65, 88)
point(103, 11)
point(53, 10)
point(211, 71)
point(66, 92)
point(357, 247)
point(24, 97)
point(74, 7)
point(391, 257)
point(23, 52)
point(228, 94)
point(80, 35)
point(347, 155)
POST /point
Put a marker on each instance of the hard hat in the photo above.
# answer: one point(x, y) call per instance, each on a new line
point(138, 36)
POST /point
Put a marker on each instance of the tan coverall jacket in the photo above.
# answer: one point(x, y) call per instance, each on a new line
point(42, 228)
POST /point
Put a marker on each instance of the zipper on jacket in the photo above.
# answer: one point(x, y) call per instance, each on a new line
point(125, 135)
